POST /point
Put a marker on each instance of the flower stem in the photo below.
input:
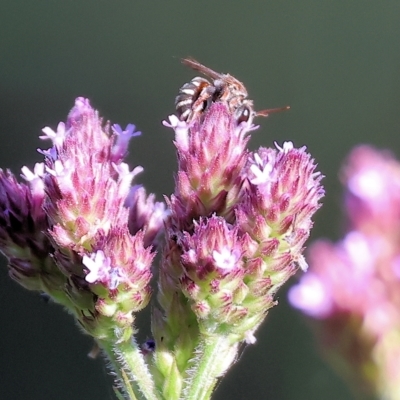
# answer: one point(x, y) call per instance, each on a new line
point(209, 367)
point(128, 363)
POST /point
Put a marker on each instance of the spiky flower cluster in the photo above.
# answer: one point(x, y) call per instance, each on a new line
point(238, 223)
point(235, 229)
point(353, 286)
point(67, 232)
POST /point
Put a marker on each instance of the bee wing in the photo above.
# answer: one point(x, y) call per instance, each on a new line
point(265, 113)
point(192, 63)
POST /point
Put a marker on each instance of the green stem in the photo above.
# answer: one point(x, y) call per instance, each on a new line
point(208, 368)
point(128, 363)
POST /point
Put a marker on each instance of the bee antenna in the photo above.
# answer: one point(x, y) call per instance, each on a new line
point(265, 113)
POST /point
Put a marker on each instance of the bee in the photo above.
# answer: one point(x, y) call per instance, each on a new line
point(196, 96)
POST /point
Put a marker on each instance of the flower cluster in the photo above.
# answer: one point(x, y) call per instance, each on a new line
point(353, 286)
point(234, 232)
point(238, 223)
point(67, 231)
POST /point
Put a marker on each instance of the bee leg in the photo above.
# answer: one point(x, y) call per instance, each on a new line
point(203, 100)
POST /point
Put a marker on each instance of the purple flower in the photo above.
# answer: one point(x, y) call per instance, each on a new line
point(67, 232)
point(238, 224)
point(99, 267)
point(23, 226)
point(211, 155)
point(120, 149)
point(213, 271)
point(85, 233)
point(145, 214)
point(86, 189)
point(353, 286)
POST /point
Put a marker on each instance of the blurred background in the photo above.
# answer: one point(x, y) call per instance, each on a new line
point(336, 63)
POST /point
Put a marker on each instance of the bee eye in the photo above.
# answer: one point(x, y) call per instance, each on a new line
point(243, 114)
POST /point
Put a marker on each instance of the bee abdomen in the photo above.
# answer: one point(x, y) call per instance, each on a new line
point(188, 94)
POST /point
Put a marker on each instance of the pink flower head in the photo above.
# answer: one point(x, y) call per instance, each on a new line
point(213, 271)
point(211, 155)
point(23, 226)
point(372, 198)
point(66, 232)
point(283, 193)
point(119, 274)
point(86, 189)
point(353, 285)
point(238, 222)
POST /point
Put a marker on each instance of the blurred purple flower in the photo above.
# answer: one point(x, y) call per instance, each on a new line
point(353, 286)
